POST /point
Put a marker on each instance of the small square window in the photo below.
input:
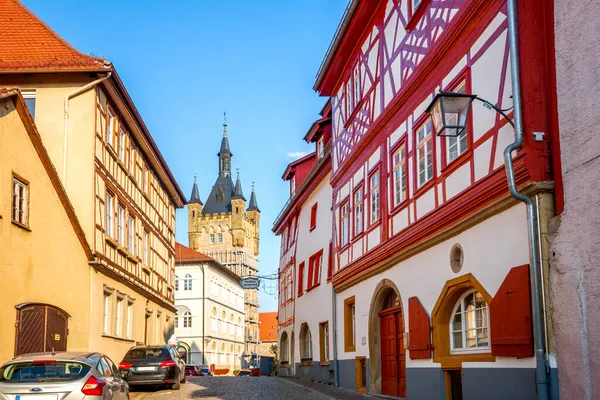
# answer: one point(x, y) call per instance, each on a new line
point(212, 238)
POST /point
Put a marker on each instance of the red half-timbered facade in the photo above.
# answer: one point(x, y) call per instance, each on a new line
point(429, 219)
point(305, 267)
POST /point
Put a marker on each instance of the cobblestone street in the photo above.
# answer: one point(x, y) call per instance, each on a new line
point(247, 388)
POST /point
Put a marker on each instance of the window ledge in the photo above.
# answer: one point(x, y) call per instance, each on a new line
point(111, 241)
point(324, 363)
point(112, 151)
point(118, 338)
point(306, 363)
point(20, 225)
point(350, 349)
point(133, 258)
point(426, 186)
point(313, 287)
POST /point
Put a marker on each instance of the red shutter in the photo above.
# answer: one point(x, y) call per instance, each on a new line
point(419, 330)
point(511, 332)
point(300, 278)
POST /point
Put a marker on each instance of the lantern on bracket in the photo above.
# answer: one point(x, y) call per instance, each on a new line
point(450, 112)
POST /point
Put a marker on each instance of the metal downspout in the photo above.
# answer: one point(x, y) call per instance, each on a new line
point(540, 357)
point(203, 314)
point(66, 122)
point(336, 374)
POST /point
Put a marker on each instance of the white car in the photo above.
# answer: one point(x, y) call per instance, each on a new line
point(62, 376)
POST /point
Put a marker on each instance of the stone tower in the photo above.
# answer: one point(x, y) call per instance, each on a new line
point(228, 231)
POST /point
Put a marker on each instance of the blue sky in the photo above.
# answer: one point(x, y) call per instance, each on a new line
point(186, 61)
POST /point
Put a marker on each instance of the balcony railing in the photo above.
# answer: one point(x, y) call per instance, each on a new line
point(306, 182)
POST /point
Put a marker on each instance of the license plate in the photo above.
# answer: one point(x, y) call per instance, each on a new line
point(145, 369)
point(37, 397)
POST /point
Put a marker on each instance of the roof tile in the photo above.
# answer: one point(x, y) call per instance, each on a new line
point(184, 253)
point(26, 43)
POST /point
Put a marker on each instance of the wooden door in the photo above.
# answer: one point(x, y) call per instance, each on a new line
point(389, 356)
point(56, 330)
point(41, 328)
point(393, 370)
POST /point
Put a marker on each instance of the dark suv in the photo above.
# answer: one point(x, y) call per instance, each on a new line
point(152, 365)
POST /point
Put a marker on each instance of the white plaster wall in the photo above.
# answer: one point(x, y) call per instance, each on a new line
point(491, 249)
point(314, 306)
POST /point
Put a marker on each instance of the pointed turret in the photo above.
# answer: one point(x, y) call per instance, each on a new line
point(237, 192)
point(195, 197)
point(253, 206)
point(224, 153)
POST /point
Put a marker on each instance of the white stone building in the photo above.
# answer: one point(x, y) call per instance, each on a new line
point(209, 323)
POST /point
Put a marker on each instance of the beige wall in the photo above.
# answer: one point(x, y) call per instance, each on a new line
point(46, 264)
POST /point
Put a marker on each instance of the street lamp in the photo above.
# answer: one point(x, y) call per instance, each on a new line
point(450, 112)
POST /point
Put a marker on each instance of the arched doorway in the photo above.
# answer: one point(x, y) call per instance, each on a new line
point(284, 348)
point(386, 342)
point(184, 351)
point(40, 328)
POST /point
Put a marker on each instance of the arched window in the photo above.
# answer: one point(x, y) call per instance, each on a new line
point(176, 321)
point(187, 283)
point(187, 319)
point(223, 322)
point(305, 343)
point(284, 350)
point(176, 284)
point(469, 323)
point(213, 320)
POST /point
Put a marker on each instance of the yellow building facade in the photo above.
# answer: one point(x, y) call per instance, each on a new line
point(43, 252)
point(226, 229)
point(121, 188)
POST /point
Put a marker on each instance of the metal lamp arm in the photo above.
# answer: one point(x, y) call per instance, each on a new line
point(491, 106)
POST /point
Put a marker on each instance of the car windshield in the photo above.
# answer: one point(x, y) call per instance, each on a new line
point(43, 371)
point(157, 353)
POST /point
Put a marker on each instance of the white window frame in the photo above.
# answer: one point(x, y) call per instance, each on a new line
point(348, 95)
point(20, 201)
point(109, 208)
point(321, 147)
point(187, 320)
point(146, 243)
point(460, 306)
point(374, 197)
point(122, 145)
point(399, 174)
point(358, 205)
point(30, 95)
point(110, 130)
point(212, 238)
point(424, 146)
point(356, 86)
point(119, 317)
point(187, 283)
point(460, 142)
point(219, 238)
point(345, 222)
point(129, 317)
point(131, 234)
point(121, 225)
point(292, 186)
point(106, 313)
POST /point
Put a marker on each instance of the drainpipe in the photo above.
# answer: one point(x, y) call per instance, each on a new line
point(336, 374)
point(66, 123)
point(203, 314)
point(540, 357)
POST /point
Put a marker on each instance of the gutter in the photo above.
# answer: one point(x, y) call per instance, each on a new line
point(541, 370)
point(66, 123)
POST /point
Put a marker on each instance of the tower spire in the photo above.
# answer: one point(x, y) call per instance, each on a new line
point(195, 197)
point(224, 153)
point(253, 206)
point(238, 193)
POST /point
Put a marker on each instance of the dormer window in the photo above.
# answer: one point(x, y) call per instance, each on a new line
point(320, 148)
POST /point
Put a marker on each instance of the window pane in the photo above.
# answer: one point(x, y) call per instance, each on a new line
point(482, 338)
point(457, 340)
point(457, 323)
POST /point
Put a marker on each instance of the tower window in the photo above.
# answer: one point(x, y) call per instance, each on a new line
point(193, 214)
point(212, 238)
point(237, 210)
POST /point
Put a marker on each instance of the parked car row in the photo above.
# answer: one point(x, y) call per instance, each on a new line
point(93, 376)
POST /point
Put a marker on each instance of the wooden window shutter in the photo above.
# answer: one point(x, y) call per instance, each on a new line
point(419, 330)
point(511, 332)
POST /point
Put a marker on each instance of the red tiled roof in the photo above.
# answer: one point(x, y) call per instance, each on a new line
point(184, 253)
point(27, 44)
point(268, 326)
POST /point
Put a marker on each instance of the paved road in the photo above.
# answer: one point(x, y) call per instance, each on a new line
point(247, 388)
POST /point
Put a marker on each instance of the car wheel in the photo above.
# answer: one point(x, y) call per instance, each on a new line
point(176, 385)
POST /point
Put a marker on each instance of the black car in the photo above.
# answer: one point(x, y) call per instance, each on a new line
point(152, 365)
